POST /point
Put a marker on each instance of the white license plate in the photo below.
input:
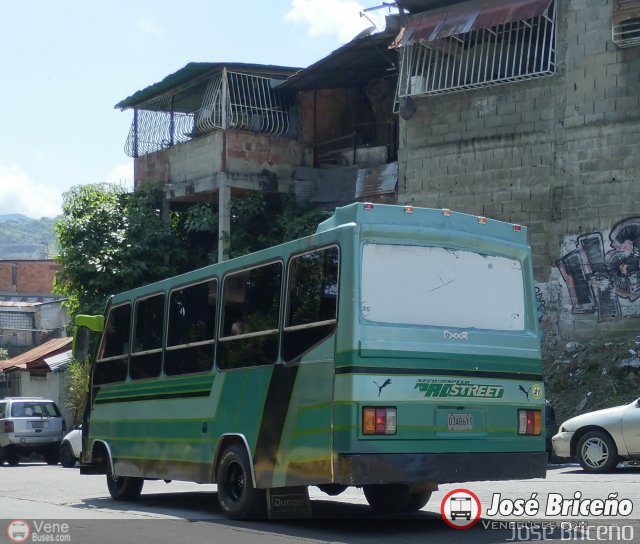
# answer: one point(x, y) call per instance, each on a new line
point(460, 422)
point(37, 424)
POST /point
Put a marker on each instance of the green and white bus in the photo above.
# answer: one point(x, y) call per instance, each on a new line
point(395, 349)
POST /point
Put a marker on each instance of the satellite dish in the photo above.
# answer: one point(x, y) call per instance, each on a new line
point(407, 108)
point(366, 32)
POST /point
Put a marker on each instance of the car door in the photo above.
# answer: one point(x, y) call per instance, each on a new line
point(631, 428)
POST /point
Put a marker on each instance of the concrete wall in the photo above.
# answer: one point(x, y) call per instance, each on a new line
point(559, 154)
point(53, 386)
point(240, 155)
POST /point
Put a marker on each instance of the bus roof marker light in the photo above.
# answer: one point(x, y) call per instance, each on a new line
point(368, 206)
point(517, 228)
point(482, 220)
point(446, 212)
point(408, 209)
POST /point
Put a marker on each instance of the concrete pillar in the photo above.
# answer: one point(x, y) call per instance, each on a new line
point(224, 218)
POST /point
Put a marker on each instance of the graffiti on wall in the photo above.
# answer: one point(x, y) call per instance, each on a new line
point(598, 277)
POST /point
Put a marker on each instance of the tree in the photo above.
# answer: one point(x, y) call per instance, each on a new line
point(111, 241)
point(257, 222)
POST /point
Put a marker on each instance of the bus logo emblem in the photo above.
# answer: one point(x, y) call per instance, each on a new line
point(384, 384)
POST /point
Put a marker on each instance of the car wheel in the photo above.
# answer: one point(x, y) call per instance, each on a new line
point(3, 456)
point(123, 488)
point(236, 494)
point(67, 459)
point(13, 458)
point(596, 452)
point(391, 498)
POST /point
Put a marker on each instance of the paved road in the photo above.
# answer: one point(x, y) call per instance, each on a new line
point(182, 512)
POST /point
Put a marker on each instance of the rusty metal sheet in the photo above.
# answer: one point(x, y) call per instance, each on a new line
point(466, 16)
point(623, 10)
point(378, 180)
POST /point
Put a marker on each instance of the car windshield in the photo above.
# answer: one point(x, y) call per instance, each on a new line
point(34, 409)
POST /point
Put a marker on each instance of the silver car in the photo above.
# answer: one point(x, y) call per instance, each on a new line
point(30, 425)
point(600, 440)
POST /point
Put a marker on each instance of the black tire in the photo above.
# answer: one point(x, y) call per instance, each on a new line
point(13, 458)
point(393, 498)
point(123, 488)
point(417, 501)
point(52, 456)
point(67, 459)
point(236, 494)
point(597, 452)
point(3, 456)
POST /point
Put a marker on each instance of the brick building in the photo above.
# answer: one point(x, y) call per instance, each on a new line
point(27, 276)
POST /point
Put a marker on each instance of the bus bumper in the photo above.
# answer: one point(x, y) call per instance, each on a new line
point(442, 468)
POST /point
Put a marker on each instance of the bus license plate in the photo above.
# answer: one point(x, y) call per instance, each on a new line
point(460, 422)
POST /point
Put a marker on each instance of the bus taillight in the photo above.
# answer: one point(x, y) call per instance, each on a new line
point(379, 420)
point(529, 422)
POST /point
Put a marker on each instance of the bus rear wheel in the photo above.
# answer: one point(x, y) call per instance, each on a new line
point(123, 488)
point(236, 494)
point(391, 498)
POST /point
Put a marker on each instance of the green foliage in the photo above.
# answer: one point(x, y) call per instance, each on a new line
point(110, 241)
point(78, 387)
point(4, 354)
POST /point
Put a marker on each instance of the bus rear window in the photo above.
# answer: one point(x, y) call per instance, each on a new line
point(441, 287)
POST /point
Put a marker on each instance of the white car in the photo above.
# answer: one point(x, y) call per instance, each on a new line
point(600, 440)
point(71, 448)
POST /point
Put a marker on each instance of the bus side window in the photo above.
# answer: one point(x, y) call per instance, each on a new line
point(251, 308)
point(113, 358)
point(312, 301)
point(146, 354)
point(191, 329)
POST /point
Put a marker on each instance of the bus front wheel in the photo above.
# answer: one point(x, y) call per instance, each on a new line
point(390, 498)
point(123, 488)
point(236, 494)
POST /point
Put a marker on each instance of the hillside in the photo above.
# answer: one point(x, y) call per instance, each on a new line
point(587, 376)
point(24, 238)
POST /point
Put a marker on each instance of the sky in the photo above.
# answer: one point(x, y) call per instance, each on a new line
point(64, 65)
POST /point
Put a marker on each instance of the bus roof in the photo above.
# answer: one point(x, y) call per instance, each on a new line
point(407, 216)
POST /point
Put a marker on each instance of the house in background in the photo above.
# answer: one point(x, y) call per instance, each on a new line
point(40, 372)
point(215, 131)
point(29, 313)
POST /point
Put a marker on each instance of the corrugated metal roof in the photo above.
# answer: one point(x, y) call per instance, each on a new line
point(27, 300)
point(377, 181)
point(353, 64)
point(623, 10)
point(35, 357)
point(56, 362)
point(194, 71)
point(467, 16)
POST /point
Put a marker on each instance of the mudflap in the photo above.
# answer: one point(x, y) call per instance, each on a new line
point(288, 503)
